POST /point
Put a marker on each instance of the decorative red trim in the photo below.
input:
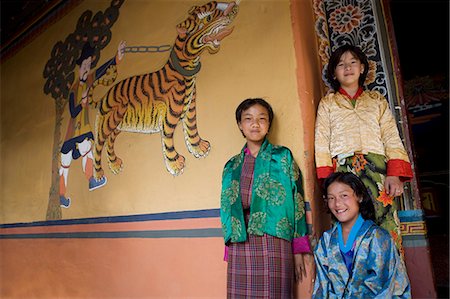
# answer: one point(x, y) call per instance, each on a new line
point(400, 168)
point(324, 171)
point(355, 97)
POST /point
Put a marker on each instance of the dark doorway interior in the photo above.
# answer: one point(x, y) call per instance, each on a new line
point(422, 34)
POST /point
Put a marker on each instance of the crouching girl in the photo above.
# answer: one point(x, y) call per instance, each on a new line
point(356, 258)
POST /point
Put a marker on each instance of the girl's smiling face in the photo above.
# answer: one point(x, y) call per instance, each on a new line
point(255, 123)
point(348, 70)
point(343, 203)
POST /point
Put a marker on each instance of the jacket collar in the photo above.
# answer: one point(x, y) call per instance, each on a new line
point(355, 97)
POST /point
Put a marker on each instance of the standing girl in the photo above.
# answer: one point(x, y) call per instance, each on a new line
point(262, 212)
point(356, 132)
point(356, 258)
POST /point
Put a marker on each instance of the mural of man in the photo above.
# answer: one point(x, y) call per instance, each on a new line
point(79, 138)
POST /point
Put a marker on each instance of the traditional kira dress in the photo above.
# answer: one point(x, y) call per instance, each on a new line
point(263, 222)
point(359, 135)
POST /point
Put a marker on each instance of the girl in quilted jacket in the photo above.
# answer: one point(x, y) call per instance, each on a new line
point(356, 132)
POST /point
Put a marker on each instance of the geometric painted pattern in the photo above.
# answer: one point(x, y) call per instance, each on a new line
point(413, 228)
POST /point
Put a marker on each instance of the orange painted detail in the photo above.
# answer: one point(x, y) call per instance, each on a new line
point(62, 185)
point(113, 268)
point(89, 168)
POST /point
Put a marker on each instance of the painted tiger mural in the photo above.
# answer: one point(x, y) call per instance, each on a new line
point(158, 101)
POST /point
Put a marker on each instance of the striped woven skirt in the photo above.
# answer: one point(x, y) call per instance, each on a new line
point(261, 267)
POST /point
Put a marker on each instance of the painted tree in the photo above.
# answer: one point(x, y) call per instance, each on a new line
point(59, 73)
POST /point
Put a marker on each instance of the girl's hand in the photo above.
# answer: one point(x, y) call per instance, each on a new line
point(393, 186)
point(299, 264)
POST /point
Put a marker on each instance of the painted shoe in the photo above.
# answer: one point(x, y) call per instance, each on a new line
point(95, 184)
point(64, 202)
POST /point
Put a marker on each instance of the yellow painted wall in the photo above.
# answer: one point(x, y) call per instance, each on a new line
point(256, 60)
point(271, 53)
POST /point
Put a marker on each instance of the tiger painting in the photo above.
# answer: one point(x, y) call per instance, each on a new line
point(158, 101)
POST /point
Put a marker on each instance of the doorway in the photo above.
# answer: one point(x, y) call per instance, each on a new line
point(423, 49)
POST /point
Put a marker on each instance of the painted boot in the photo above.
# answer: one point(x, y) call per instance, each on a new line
point(64, 202)
point(95, 184)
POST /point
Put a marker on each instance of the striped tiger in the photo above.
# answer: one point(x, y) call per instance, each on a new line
point(158, 101)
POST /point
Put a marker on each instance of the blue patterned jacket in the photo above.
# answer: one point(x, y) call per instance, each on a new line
point(377, 271)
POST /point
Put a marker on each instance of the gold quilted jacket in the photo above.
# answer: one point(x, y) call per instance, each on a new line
point(342, 129)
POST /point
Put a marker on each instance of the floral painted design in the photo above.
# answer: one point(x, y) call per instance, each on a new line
point(230, 194)
point(256, 223)
point(345, 19)
point(358, 162)
point(285, 165)
point(385, 199)
point(300, 212)
point(350, 22)
point(283, 227)
point(265, 156)
point(270, 190)
point(295, 171)
point(224, 229)
point(394, 235)
point(372, 74)
point(236, 226)
point(237, 160)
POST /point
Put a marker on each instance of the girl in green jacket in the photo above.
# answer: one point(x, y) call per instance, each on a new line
point(262, 211)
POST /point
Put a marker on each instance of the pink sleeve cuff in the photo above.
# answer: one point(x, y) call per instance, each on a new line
point(225, 254)
point(301, 245)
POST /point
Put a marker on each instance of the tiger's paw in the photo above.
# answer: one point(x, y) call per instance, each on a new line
point(98, 174)
point(116, 166)
point(201, 150)
point(176, 166)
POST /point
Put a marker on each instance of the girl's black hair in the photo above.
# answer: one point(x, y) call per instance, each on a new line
point(336, 57)
point(366, 207)
point(247, 103)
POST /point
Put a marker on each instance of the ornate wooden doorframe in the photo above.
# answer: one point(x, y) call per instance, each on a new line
point(368, 24)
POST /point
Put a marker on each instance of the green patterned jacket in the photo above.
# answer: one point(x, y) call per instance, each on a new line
point(277, 205)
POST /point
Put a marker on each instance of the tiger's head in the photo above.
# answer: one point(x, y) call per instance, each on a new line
point(205, 27)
